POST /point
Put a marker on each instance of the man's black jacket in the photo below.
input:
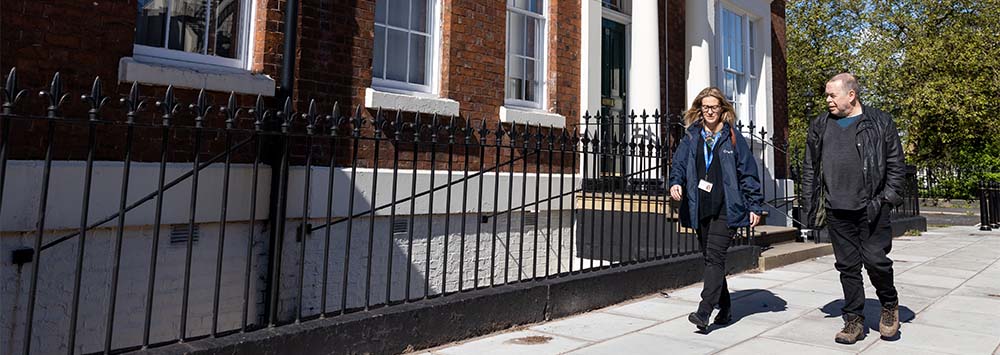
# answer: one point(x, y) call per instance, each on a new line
point(882, 161)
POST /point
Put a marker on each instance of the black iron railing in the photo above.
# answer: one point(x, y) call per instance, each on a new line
point(276, 216)
point(989, 205)
point(371, 209)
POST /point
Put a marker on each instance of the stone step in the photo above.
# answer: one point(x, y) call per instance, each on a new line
point(768, 235)
point(787, 253)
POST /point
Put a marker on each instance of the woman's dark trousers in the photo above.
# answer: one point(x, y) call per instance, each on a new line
point(714, 236)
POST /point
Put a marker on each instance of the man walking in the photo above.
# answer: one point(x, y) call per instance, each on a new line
point(852, 176)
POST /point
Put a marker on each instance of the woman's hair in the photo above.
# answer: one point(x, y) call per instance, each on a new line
point(728, 115)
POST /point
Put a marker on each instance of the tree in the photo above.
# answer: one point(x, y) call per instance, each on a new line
point(933, 64)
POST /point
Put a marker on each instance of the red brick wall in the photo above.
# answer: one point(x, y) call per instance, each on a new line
point(473, 52)
point(675, 57)
point(336, 39)
point(80, 39)
point(84, 40)
point(672, 53)
point(333, 64)
point(473, 47)
point(564, 59)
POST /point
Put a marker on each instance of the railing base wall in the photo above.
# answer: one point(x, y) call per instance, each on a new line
point(439, 321)
point(901, 225)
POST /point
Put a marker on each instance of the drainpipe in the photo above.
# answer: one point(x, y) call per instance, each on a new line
point(273, 158)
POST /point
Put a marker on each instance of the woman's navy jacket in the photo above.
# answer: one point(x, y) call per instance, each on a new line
point(739, 176)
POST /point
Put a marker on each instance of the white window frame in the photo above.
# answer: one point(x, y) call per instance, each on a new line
point(624, 7)
point(541, 67)
point(744, 103)
point(164, 55)
point(431, 62)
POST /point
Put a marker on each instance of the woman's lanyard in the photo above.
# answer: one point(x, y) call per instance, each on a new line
point(710, 140)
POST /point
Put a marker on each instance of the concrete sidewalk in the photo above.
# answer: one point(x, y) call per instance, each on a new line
point(948, 280)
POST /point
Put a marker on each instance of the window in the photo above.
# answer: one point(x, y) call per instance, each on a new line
point(404, 39)
point(623, 6)
point(525, 53)
point(214, 32)
point(738, 75)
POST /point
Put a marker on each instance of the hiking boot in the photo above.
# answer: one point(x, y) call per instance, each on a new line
point(854, 330)
point(724, 317)
point(698, 320)
point(888, 325)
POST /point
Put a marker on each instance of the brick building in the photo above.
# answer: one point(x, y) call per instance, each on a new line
point(516, 62)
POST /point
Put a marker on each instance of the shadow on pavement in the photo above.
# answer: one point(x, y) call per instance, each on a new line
point(749, 302)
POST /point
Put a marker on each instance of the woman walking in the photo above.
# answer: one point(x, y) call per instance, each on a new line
point(714, 176)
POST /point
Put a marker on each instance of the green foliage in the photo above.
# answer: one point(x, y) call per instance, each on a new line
point(913, 233)
point(933, 64)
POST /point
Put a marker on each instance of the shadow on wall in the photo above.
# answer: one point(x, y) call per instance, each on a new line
point(430, 254)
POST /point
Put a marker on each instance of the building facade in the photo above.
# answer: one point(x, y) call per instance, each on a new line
point(215, 246)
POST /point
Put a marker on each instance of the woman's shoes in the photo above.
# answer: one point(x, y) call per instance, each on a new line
point(698, 320)
point(724, 317)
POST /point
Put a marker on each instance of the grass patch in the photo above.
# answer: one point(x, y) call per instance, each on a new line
point(912, 233)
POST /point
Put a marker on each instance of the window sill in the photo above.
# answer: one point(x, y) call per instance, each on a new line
point(195, 77)
point(531, 117)
point(410, 103)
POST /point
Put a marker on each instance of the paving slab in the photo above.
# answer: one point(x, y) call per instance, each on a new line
point(818, 332)
point(972, 322)
point(815, 285)
point(901, 265)
point(809, 267)
point(970, 265)
point(986, 279)
point(941, 271)
point(524, 342)
point(949, 304)
point(657, 309)
point(691, 294)
point(984, 305)
point(944, 340)
point(928, 280)
point(810, 299)
point(751, 283)
point(908, 290)
point(832, 276)
point(594, 326)
point(929, 251)
point(977, 291)
point(641, 344)
point(908, 258)
point(718, 337)
point(778, 347)
point(891, 348)
point(780, 275)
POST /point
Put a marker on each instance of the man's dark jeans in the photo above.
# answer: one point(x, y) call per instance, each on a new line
point(714, 236)
point(856, 242)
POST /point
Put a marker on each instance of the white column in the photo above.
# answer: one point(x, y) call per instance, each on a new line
point(644, 65)
point(699, 37)
point(590, 61)
point(590, 69)
point(644, 80)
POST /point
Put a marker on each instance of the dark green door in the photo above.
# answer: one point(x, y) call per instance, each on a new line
point(613, 75)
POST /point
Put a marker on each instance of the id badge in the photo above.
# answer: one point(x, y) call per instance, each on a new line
point(704, 185)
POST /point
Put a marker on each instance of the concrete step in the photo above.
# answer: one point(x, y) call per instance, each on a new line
point(787, 253)
point(768, 235)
